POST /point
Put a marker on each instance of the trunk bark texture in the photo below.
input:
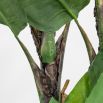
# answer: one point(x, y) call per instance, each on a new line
point(50, 74)
point(98, 13)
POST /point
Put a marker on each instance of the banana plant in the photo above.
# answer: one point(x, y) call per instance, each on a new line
point(45, 17)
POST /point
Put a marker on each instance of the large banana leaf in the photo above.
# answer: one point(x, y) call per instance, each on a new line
point(45, 15)
point(80, 91)
point(87, 82)
point(96, 68)
point(50, 15)
point(12, 15)
point(96, 95)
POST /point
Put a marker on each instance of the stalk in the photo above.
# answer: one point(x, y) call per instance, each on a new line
point(63, 94)
point(37, 73)
point(49, 69)
point(99, 21)
point(52, 70)
point(90, 49)
point(37, 36)
point(61, 44)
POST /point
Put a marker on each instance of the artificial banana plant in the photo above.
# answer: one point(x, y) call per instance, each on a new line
point(45, 17)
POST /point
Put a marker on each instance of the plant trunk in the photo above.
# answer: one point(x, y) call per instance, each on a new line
point(51, 80)
point(98, 13)
point(49, 83)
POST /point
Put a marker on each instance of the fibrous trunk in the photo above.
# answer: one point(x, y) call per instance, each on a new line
point(50, 77)
point(99, 21)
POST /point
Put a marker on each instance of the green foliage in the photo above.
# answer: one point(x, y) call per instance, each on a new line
point(44, 15)
point(48, 48)
point(96, 68)
point(87, 82)
point(48, 15)
point(53, 100)
point(96, 96)
point(80, 91)
point(12, 15)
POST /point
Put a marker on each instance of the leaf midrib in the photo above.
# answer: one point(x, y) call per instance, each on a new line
point(64, 4)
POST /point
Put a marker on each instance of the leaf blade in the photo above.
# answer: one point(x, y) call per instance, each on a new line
point(53, 100)
point(12, 15)
point(95, 70)
point(50, 15)
point(80, 91)
point(96, 96)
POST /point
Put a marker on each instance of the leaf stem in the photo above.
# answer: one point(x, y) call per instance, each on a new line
point(65, 5)
point(65, 86)
point(61, 44)
point(63, 94)
point(34, 66)
point(90, 49)
point(99, 21)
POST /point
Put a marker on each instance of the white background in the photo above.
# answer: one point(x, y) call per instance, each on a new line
point(16, 79)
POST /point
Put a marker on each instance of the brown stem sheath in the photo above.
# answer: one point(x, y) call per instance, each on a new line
point(90, 49)
point(61, 44)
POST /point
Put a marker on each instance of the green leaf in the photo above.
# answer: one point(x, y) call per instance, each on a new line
point(80, 91)
point(50, 15)
point(12, 15)
point(96, 95)
point(96, 68)
point(53, 100)
point(45, 15)
point(48, 48)
point(84, 87)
